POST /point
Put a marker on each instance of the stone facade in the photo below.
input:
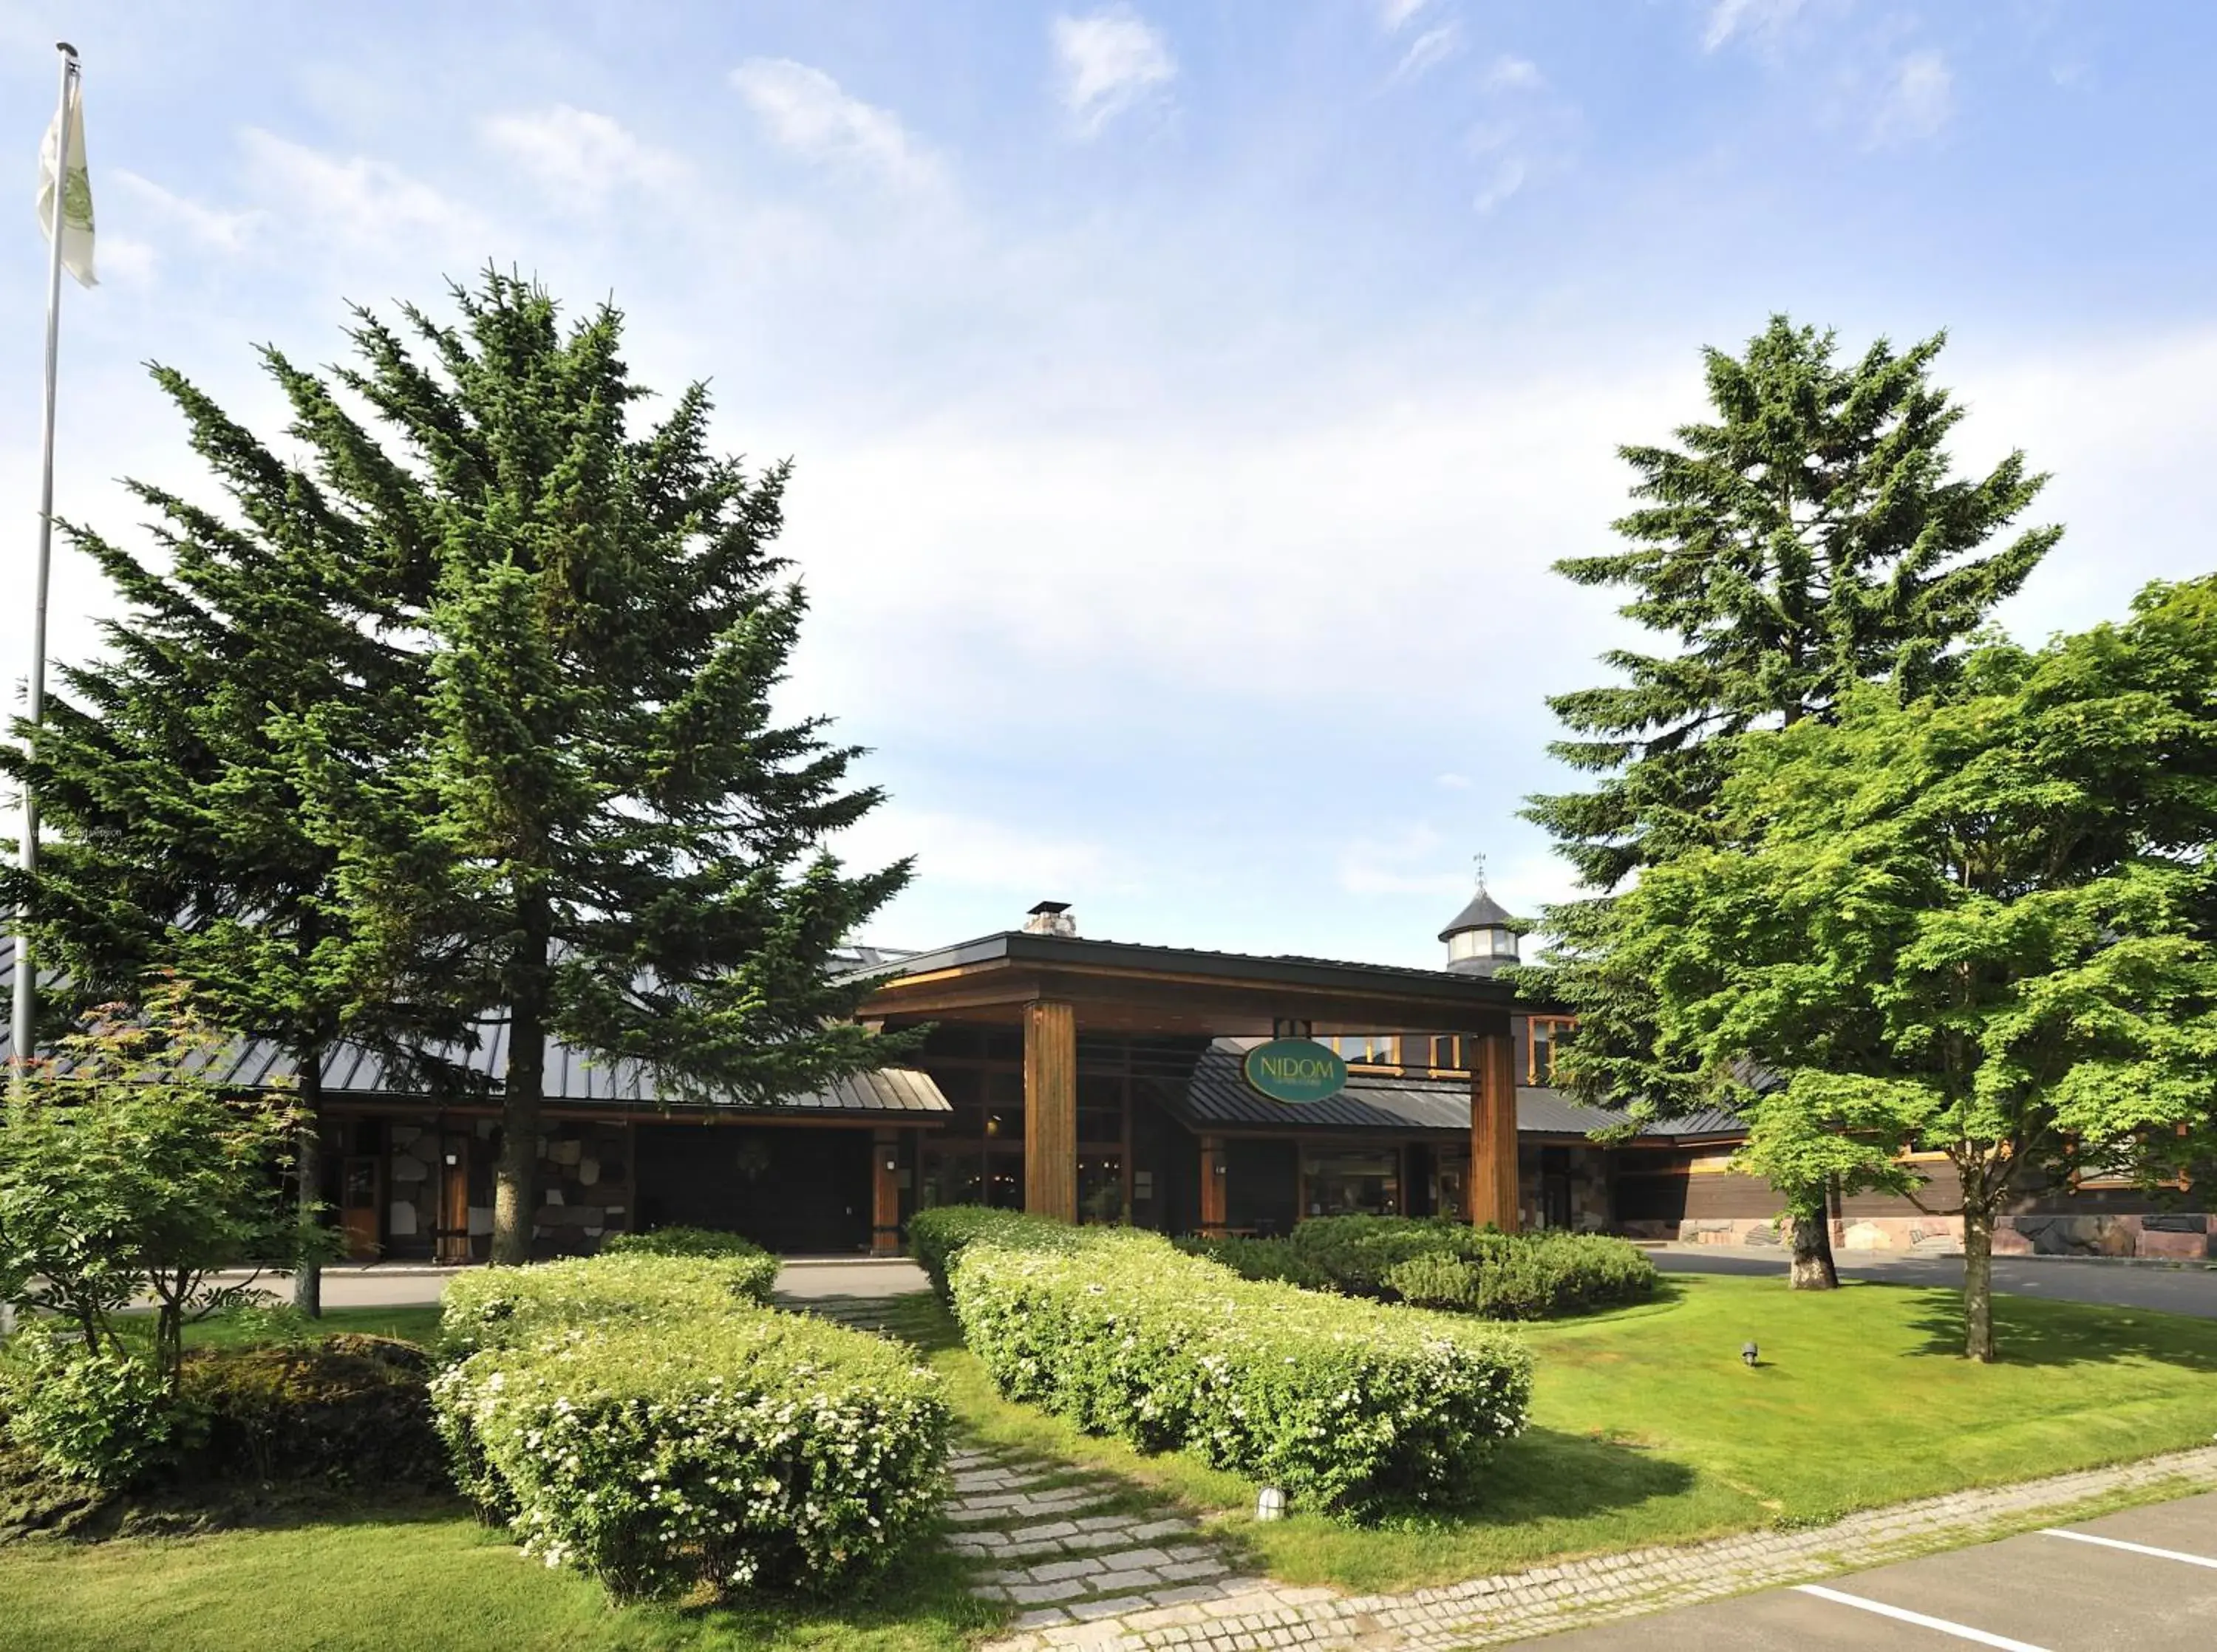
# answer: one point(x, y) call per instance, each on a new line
point(412, 1169)
point(1586, 1177)
point(585, 1187)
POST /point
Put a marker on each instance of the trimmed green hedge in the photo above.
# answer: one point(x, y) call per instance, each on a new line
point(684, 1241)
point(1346, 1406)
point(935, 1236)
point(642, 1418)
point(1432, 1262)
point(490, 1307)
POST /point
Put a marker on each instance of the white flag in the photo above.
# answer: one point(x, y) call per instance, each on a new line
point(76, 190)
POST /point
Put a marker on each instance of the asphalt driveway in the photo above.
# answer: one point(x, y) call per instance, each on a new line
point(2143, 1581)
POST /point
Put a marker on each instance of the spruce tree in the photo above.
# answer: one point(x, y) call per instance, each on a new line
point(201, 775)
point(1810, 539)
point(619, 844)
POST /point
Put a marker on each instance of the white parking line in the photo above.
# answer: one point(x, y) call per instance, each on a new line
point(2129, 1548)
point(1961, 1631)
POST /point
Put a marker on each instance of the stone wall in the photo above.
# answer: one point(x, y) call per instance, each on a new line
point(585, 1187)
point(2187, 1237)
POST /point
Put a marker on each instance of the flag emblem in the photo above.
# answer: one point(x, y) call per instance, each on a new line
point(76, 187)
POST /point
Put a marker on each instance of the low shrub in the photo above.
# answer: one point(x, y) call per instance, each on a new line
point(1533, 1276)
point(1432, 1262)
point(748, 1447)
point(348, 1410)
point(1262, 1258)
point(1347, 1406)
point(1436, 1281)
point(684, 1241)
point(500, 1306)
point(104, 1416)
point(937, 1236)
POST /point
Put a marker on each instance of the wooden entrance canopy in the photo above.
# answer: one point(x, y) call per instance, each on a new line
point(1051, 985)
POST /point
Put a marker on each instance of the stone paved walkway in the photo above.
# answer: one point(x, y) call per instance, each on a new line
point(1092, 1565)
point(1063, 1547)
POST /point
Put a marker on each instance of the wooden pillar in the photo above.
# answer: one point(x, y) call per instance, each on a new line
point(1050, 1110)
point(885, 1192)
point(1212, 1180)
point(1493, 1131)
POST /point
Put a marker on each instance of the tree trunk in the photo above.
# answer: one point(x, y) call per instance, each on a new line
point(1978, 1281)
point(1812, 1268)
point(516, 1172)
point(308, 1171)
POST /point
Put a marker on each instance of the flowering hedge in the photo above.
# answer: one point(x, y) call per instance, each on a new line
point(639, 1418)
point(499, 1306)
point(935, 1236)
point(1346, 1406)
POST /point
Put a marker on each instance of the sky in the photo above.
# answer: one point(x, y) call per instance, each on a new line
point(1187, 401)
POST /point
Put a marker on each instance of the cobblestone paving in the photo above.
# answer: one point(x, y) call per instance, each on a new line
point(1489, 1610)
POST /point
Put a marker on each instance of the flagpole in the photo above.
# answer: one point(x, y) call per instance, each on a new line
point(25, 1043)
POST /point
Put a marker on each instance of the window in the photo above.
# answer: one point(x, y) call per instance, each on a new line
point(1370, 1049)
point(1349, 1183)
point(1447, 1052)
point(1549, 1034)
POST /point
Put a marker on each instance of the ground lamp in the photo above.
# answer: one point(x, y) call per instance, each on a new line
point(1747, 1354)
point(1270, 1504)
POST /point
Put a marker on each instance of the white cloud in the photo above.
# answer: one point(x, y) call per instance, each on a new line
point(1108, 61)
point(212, 226)
point(574, 152)
point(1503, 179)
point(1733, 19)
point(1919, 98)
point(806, 112)
point(1429, 51)
point(1513, 74)
point(974, 852)
point(1526, 131)
point(356, 200)
point(1454, 782)
point(124, 259)
point(1392, 14)
point(1417, 861)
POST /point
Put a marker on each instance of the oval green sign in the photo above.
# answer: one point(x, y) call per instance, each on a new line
point(1296, 1069)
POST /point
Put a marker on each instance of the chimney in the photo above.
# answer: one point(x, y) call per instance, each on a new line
point(1051, 918)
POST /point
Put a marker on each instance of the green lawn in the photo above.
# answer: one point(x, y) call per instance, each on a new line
point(1646, 1428)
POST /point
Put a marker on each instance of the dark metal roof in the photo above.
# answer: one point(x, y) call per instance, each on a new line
point(1484, 912)
point(1219, 1097)
point(572, 1078)
point(1015, 946)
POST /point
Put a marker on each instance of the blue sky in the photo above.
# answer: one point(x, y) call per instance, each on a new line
point(1187, 399)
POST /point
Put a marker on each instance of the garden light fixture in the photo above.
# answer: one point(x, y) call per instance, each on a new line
point(1270, 1504)
point(1747, 1354)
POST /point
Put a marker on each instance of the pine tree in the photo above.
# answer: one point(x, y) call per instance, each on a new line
point(1812, 538)
point(201, 775)
point(621, 844)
